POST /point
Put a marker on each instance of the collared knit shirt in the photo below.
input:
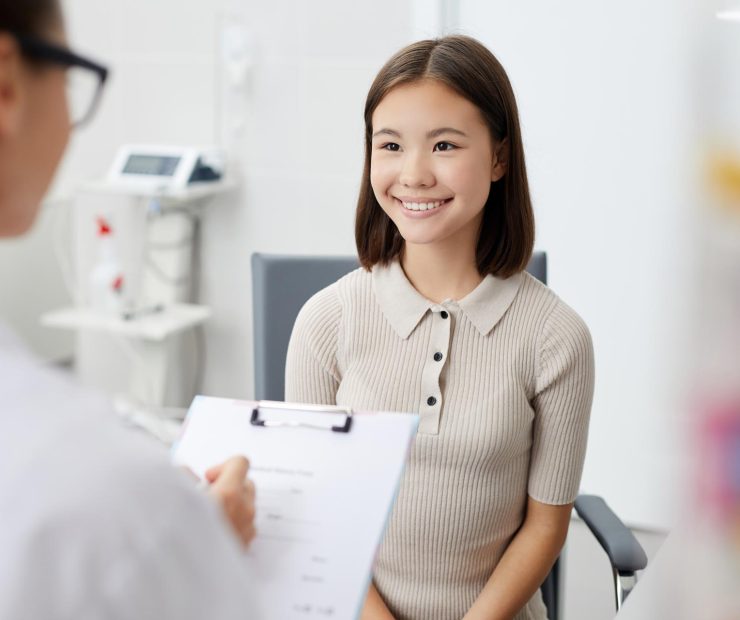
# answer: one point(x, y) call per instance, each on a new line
point(502, 380)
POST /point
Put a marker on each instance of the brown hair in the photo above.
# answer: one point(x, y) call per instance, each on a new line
point(470, 69)
point(29, 17)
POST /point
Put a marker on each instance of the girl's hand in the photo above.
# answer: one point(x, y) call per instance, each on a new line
point(236, 495)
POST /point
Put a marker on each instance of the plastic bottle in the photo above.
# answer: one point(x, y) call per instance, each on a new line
point(106, 278)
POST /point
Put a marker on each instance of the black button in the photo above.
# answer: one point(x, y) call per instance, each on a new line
point(431, 401)
point(437, 357)
point(444, 314)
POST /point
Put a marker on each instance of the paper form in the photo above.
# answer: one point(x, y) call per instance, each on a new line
point(323, 499)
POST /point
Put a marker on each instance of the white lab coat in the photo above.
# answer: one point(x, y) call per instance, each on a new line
point(94, 521)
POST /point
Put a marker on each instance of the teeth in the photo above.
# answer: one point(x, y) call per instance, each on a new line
point(422, 206)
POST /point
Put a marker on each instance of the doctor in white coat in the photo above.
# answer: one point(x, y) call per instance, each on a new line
point(94, 522)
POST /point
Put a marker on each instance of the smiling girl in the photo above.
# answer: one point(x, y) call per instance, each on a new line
point(442, 320)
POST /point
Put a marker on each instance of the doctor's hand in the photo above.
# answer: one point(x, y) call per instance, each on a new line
point(235, 493)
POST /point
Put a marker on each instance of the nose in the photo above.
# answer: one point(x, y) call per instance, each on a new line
point(415, 171)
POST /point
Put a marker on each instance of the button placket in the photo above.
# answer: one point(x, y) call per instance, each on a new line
point(431, 395)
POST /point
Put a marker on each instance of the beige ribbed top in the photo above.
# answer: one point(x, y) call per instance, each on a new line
point(502, 380)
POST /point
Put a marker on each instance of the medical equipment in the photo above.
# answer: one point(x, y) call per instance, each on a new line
point(164, 169)
point(150, 346)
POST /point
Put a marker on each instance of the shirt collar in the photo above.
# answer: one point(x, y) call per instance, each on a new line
point(490, 300)
point(403, 306)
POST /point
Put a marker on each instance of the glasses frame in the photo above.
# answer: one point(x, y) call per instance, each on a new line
point(38, 49)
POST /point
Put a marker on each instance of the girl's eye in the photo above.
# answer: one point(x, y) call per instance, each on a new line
point(444, 146)
point(390, 146)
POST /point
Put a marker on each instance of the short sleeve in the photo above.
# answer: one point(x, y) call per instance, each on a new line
point(311, 369)
point(562, 405)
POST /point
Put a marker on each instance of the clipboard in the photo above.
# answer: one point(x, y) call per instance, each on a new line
point(326, 479)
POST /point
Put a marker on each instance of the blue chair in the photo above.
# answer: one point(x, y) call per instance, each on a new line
point(281, 284)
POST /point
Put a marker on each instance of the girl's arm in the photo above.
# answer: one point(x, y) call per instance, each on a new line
point(311, 374)
point(562, 405)
point(525, 564)
point(375, 608)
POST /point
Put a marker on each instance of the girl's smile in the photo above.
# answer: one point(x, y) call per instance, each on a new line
point(420, 208)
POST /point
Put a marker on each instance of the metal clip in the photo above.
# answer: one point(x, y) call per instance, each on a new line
point(268, 404)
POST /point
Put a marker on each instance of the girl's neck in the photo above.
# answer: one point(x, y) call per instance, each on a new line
point(440, 273)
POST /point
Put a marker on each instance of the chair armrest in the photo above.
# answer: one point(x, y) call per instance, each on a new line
point(625, 553)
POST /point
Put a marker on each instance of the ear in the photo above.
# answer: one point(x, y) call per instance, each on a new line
point(500, 160)
point(11, 65)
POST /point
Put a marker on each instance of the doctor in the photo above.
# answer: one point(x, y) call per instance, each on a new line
point(94, 522)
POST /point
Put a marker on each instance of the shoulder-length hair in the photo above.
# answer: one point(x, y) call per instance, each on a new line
point(466, 66)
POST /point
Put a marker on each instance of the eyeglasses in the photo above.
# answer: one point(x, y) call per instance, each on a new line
point(85, 78)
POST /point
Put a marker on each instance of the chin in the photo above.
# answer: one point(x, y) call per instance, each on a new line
point(417, 239)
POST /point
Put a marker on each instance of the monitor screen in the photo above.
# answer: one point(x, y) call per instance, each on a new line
point(156, 165)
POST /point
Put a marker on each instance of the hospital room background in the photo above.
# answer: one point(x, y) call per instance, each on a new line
point(614, 100)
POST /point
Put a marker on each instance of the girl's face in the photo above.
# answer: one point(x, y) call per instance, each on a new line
point(34, 130)
point(432, 163)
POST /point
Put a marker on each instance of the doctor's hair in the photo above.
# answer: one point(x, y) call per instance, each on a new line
point(466, 66)
point(29, 17)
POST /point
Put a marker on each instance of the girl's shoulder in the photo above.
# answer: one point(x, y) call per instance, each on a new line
point(348, 286)
point(551, 316)
point(324, 308)
point(536, 297)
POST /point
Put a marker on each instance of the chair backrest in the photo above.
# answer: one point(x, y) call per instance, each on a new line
point(281, 284)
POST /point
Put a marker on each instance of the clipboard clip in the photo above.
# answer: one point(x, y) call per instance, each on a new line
point(267, 404)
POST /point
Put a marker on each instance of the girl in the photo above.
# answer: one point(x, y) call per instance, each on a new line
point(442, 320)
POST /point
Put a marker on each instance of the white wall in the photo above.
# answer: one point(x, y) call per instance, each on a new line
point(604, 91)
point(32, 282)
point(301, 150)
point(600, 88)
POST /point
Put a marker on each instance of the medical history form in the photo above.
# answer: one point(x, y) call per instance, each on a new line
point(325, 480)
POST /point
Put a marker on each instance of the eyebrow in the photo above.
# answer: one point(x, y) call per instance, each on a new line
point(434, 133)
